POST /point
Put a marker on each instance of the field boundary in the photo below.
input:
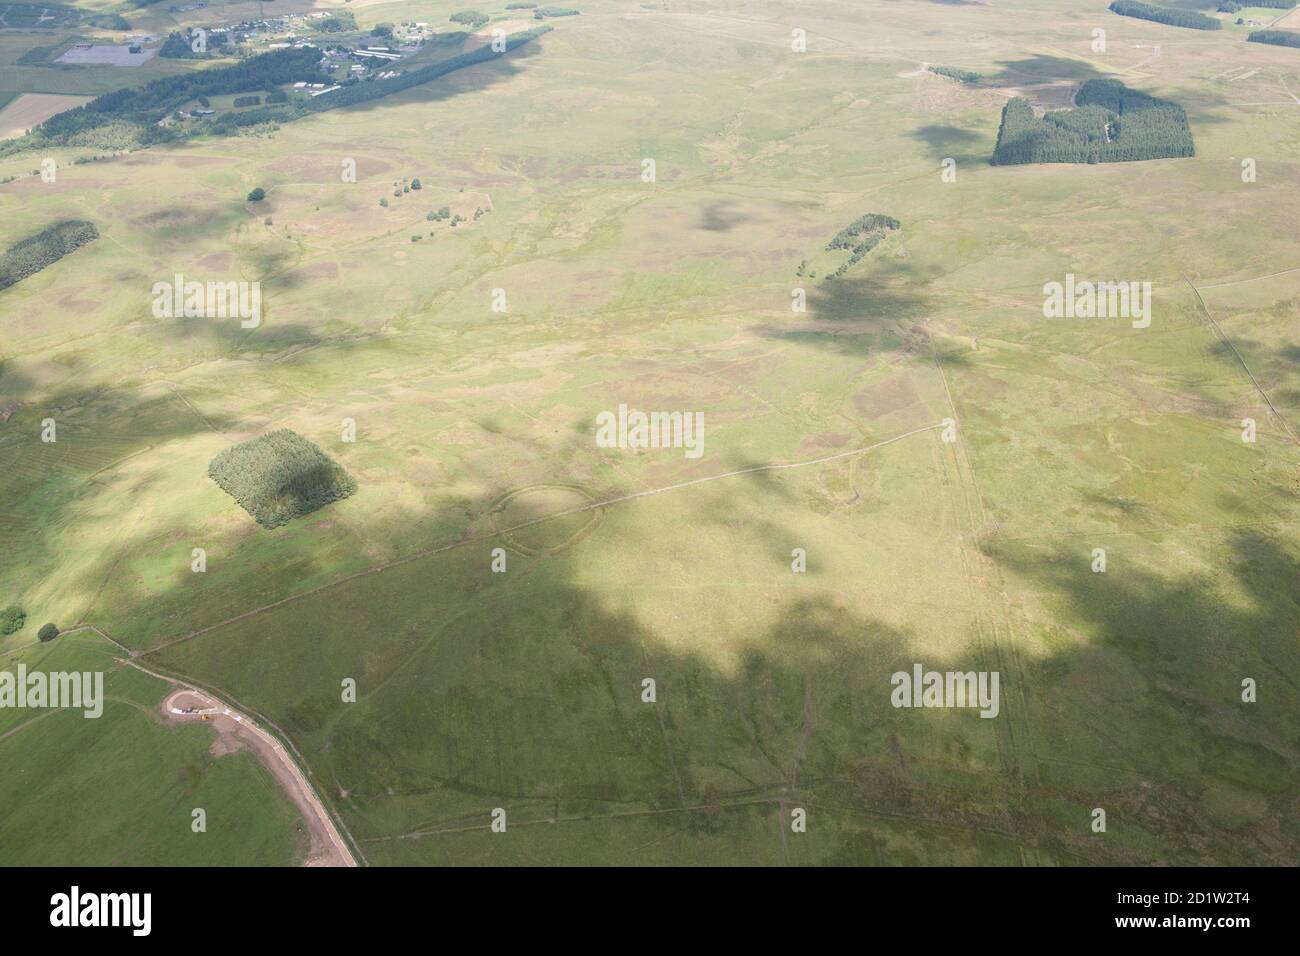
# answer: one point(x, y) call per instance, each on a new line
point(1286, 426)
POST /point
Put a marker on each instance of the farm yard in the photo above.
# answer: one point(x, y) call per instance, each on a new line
point(455, 365)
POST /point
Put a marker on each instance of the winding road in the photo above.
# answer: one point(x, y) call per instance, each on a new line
point(235, 731)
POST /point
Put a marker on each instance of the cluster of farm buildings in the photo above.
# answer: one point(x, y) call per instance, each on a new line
point(362, 57)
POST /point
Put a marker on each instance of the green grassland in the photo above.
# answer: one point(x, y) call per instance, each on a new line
point(522, 689)
point(119, 789)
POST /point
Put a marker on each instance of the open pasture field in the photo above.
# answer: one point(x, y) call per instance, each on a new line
point(35, 16)
point(523, 688)
point(120, 789)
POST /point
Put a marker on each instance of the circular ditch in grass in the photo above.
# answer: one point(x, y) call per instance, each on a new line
point(528, 506)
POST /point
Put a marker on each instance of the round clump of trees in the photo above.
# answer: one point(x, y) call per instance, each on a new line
point(12, 619)
point(48, 632)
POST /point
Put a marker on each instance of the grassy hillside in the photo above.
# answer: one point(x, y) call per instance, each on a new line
point(119, 789)
point(522, 689)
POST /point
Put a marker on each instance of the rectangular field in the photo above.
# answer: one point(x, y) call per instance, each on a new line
point(30, 109)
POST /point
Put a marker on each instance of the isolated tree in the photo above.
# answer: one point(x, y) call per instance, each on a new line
point(257, 195)
point(48, 632)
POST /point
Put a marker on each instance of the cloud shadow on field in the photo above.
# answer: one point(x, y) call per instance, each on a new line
point(50, 489)
point(720, 216)
point(1170, 652)
point(53, 491)
point(223, 338)
point(522, 690)
point(943, 141)
point(184, 226)
point(1276, 367)
point(849, 299)
point(1191, 637)
point(1054, 71)
point(1042, 69)
point(854, 316)
point(14, 384)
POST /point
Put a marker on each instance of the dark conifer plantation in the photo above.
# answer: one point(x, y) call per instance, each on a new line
point(1110, 124)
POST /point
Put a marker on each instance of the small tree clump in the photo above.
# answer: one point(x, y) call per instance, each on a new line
point(280, 476)
point(12, 619)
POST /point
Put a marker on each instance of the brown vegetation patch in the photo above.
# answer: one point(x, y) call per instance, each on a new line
point(891, 395)
point(217, 260)
point(826, 440)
